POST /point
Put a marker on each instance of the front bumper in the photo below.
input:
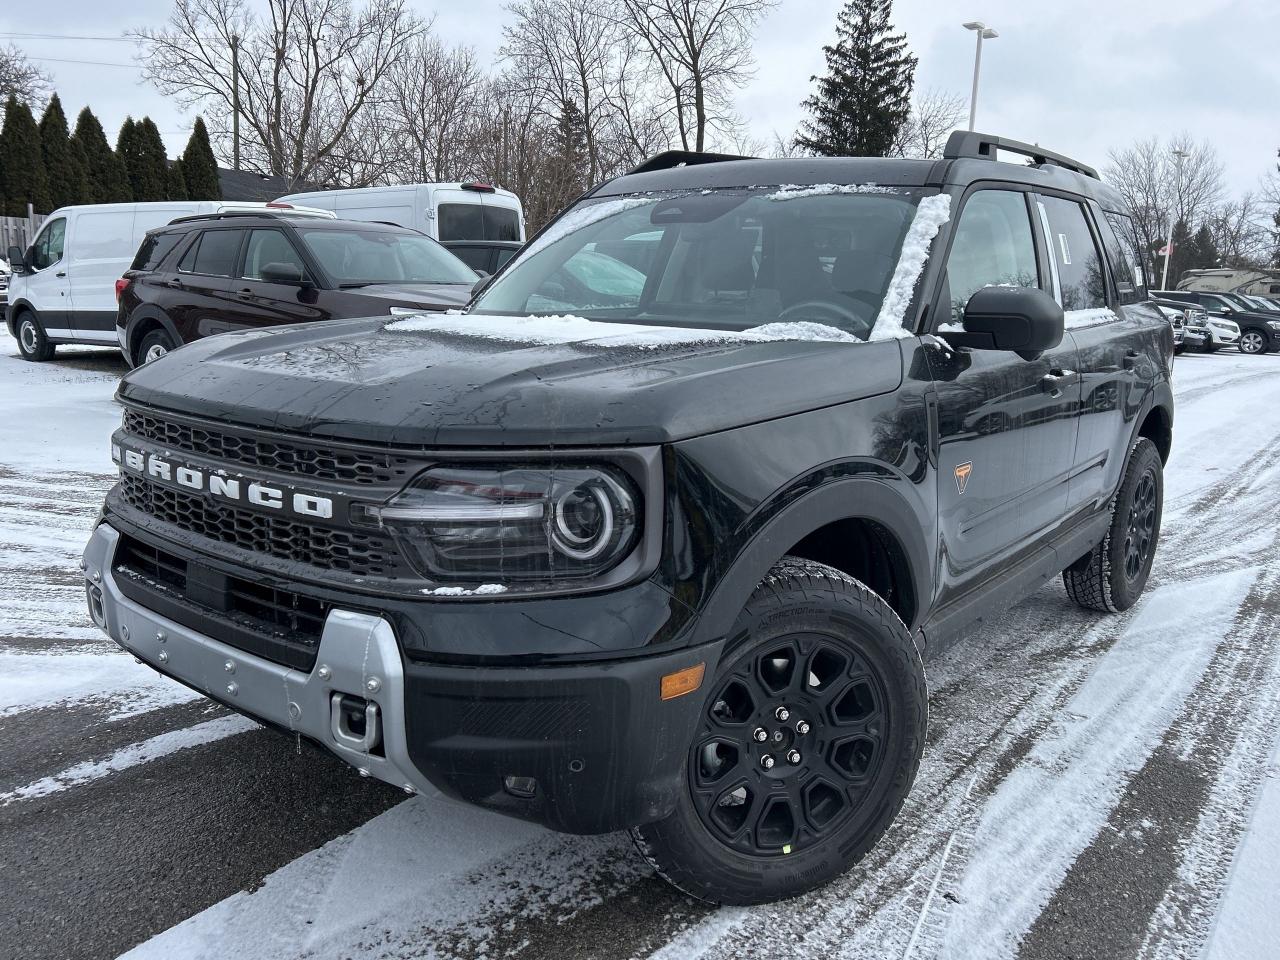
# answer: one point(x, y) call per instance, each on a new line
point(582, 748)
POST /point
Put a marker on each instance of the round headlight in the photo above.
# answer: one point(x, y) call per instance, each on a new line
point(583, 522)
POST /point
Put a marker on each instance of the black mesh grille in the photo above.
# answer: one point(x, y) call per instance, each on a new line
point(361, 467)
point(360, 554)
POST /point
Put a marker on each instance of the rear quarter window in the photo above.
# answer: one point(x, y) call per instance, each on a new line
point(155, 247)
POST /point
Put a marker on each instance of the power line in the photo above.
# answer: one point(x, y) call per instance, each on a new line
point(90, 63)
point(63, 36)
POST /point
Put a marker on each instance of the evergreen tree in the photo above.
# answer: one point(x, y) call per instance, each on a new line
point(63, 164)
point(142, 151)
point(22, 176)
point(176, 182)
point(106, 179)
point(1202, 252)
point(865, 97)
point(199, 167)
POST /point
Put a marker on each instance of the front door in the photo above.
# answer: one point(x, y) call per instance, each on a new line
point(261, 298)
point(46, 286)
point(1006, 426)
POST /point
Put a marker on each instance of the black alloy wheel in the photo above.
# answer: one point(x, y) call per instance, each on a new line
point(1141, 534)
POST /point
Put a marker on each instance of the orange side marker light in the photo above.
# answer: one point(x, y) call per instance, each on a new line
point(683, 681)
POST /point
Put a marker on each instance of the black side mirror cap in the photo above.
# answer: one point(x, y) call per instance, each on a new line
point(284, 273)
point(1024, 320)
point(484, 280)
point(17, 260)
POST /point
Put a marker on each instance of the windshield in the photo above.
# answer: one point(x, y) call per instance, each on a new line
point(358, 257)
point(729, 259)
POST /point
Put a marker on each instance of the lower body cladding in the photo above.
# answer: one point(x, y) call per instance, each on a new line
point(582, 748)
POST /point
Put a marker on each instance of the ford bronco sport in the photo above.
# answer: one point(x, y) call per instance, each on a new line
point(654, 535)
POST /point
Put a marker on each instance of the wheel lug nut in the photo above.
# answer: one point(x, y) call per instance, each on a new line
point(793, 757)
point(760, 734)
point(782, 713)
point(802, 727)
point(767, 762)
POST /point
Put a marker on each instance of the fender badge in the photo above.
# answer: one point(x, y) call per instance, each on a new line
point(963, 471)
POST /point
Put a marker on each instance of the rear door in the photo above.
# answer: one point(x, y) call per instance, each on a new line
point(1007, 426)
point(202, 303)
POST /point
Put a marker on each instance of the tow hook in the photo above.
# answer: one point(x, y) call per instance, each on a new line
point(354, 722)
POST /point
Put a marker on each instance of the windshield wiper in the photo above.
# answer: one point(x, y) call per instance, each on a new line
point(354, 284)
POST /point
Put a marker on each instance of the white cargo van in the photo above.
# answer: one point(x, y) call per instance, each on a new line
point(63, 287)
point(445, 211)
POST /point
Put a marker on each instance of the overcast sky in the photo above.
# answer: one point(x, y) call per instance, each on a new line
point(1078, 77)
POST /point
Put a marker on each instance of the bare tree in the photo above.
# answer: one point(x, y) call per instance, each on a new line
point(308, 71)
point(1240, 233)
point(702, 51)
point(20, 78)
point(1158, 194)
point(436, 91)
point(934, 114)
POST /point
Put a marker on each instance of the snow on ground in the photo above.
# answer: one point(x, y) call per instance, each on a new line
point(1059, 742)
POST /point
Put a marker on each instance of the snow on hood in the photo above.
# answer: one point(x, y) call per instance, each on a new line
point(931, 214)
point(546, 331)
point(793, 191)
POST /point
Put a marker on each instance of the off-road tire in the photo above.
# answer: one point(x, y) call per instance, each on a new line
point(1099, 580)
point(156, 340)
point(802, 599)
point(33, 344)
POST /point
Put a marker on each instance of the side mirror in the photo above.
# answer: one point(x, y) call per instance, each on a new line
point(17, 260)
point(283, 273)
point(1024, 320)
point(480, 284)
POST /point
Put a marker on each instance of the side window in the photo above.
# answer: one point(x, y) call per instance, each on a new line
point(501, 223)
point(993, 246)
point(155, 247)
point(48, 247)
point(503, 256)
point(461, 221)
point(477, 258)
point(1071, 245)
point(1118, 238)
point(214, 254)
point(269, 246)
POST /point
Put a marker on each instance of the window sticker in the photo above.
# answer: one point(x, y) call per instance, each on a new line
point(1066, 249)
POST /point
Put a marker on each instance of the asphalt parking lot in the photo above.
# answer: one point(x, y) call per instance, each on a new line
point(1091, 787)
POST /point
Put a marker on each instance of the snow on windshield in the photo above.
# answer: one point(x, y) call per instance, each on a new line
point(566, 328)
point(931, 214)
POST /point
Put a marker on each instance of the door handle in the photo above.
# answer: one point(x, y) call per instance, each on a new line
point(61, 273)
point(1053, 381)
point(1131, 359)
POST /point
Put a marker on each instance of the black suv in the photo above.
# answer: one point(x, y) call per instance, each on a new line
point(243, 270)
point(661, 548)
point(1259, 329)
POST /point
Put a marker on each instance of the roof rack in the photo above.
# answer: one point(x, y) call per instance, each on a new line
point(983, 146)
point(676, 158)
point(244, 212)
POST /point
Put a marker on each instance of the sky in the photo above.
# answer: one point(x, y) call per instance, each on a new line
point(1080, 78)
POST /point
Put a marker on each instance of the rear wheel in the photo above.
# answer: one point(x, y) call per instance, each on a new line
point(1251, 341)
point(806, 748)
point(1113, 574)
point(32, 343)
point(155, 345)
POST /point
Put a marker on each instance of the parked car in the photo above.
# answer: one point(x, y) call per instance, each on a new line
point(4, 281)
point(1190, 325)
point(445, 211)
point(1262, 303)
point(1232, 320)
point(63, 288)
point(484, 256)
point(245, 270)
point(667, 563)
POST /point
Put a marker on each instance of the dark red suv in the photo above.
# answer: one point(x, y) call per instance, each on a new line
point(216, 273)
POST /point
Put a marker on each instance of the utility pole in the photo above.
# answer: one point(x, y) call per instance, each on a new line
point(984, 33)
point(235, 102)
point(1178, 157)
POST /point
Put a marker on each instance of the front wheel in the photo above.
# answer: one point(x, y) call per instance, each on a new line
point(33, 344)
point(1251, 341)
point(806, 748)
point(1112, 575)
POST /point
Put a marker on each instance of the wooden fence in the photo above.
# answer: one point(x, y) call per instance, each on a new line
point(19, 231)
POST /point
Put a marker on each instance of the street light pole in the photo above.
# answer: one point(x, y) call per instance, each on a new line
point(984, 33)
point(1178, 157)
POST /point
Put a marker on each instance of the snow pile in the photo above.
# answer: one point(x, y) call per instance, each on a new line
point(793, 191)
point(485, 589)
point(567, 328)
point(580, 217)
point(932, 213)
point(1076, 319)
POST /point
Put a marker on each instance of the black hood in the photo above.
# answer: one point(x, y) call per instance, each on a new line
point(440, 295)
point(379, 380)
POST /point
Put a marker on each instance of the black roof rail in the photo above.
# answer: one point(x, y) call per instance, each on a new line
point(676, 158)
point(223, 214)
point(983, 146)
